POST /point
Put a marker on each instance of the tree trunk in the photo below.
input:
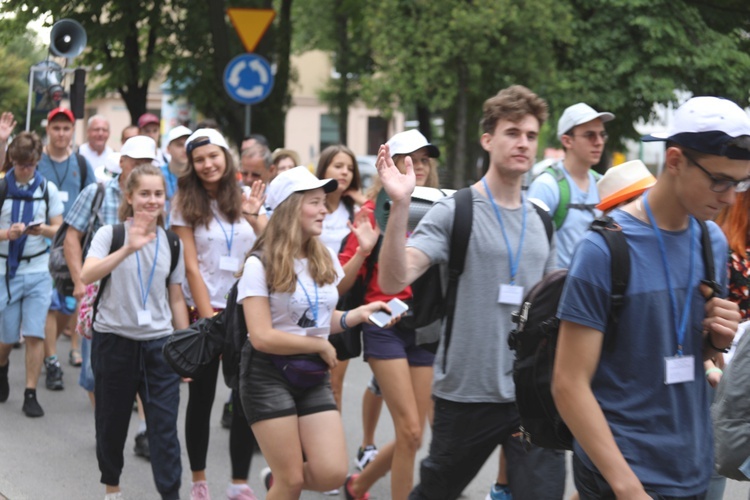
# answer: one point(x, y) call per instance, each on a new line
point(341, 107)
point(424, 116)
point(459, 151)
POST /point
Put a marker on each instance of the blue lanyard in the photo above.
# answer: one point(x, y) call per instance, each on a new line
point(145, 292)
point(229, 238)
point(680, 321)
point(514, 260)
point(313, 308)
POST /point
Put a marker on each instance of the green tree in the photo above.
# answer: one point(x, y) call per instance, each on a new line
point(337, 27)
point(448, 56)
point(18, 51)
point(628, 55)
point(138, 41)
point(205, 45)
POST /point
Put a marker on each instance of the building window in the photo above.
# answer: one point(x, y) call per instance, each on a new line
point(329, 131)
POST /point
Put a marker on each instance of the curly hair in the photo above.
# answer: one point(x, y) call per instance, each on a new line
point(512, 104)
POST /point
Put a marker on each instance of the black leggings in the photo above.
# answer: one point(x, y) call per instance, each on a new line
point(197, 424)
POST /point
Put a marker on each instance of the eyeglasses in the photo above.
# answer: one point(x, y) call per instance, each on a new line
point(591, 136)
point(721, 185)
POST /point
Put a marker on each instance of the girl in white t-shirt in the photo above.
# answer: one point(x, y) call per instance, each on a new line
point(217, 224)
point(288, 294)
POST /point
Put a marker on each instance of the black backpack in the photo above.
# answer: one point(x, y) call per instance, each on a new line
point(535, 338)
point(58, 266)
point(235, 337)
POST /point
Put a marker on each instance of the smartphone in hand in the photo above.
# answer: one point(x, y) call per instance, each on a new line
point(382, 318)
point(32, 225)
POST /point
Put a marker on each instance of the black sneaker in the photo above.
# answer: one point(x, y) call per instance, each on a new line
point(4, 387)
point(141, 446)
point(226, 416)
point(30, 405)
point(54, 380)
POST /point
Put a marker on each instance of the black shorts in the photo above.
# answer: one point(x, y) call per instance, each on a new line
point(265, 393)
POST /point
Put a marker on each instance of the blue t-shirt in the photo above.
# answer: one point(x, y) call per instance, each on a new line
point(663, 431)
point(67, 177)
point(171, 182)
point(577, 220)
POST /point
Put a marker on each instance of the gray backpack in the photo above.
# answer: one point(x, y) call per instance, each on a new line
point(731, 416)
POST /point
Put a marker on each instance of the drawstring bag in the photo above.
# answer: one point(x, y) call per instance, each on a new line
point(84, 326)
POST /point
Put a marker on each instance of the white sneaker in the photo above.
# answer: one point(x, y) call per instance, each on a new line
point(113, 496)
point(365, 456)
point(332, 493)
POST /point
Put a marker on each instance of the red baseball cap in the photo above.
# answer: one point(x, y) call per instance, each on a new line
point(61, 111)
point(147, 118)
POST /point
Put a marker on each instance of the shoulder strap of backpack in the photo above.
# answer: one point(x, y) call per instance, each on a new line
point(620, 269)
point(546, 220)
point(372, 259)
point(174, 248)
point(3, 190)
point(708, 260)
point(82, 169)
point(45, 196)
point(118, 239)
point(96, 205)
point(462, 221)
point(563, 187)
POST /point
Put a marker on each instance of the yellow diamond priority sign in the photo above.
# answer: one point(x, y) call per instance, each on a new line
point(251, 24)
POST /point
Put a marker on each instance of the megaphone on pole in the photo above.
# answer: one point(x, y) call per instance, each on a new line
point(67, 38)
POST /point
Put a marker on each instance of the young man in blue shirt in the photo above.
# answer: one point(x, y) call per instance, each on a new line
point(639, 411)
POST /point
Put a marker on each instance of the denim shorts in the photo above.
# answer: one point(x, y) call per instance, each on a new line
point(26, 313)
point(63, 304)
point(393, 343)
point(265, 393)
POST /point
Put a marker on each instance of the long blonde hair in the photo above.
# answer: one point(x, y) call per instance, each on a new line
point(126, 209)
point(282, 241)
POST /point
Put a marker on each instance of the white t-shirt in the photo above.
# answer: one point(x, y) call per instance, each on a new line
point(335, 228)
point(212, 248)
point(292, 312)
point(34, 244)
point(95, 159)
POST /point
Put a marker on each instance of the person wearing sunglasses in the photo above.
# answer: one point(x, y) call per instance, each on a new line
point(568, 188)
point(639, 411)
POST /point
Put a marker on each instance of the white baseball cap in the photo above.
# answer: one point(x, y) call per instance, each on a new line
point(407, 142)
point(295, 180)
point(139, 147)
point(177, 132)
point(212, 136)
point(623, 182)
point(578, 114)
point(709, 125)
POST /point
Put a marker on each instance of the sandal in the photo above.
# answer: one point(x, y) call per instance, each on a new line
point(74, 358)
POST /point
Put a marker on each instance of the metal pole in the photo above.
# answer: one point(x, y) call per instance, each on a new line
point(28, 104)
point(247, 120)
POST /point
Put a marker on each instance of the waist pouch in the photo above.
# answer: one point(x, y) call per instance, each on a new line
point(301, 370)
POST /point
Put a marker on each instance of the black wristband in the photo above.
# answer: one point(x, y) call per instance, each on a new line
point(712, 346)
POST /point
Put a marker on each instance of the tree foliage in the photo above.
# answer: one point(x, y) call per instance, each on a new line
point(628, 55)
point(18, 51)
point(137, 42)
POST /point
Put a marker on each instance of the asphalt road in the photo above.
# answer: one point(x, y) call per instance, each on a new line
point(54, 456)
